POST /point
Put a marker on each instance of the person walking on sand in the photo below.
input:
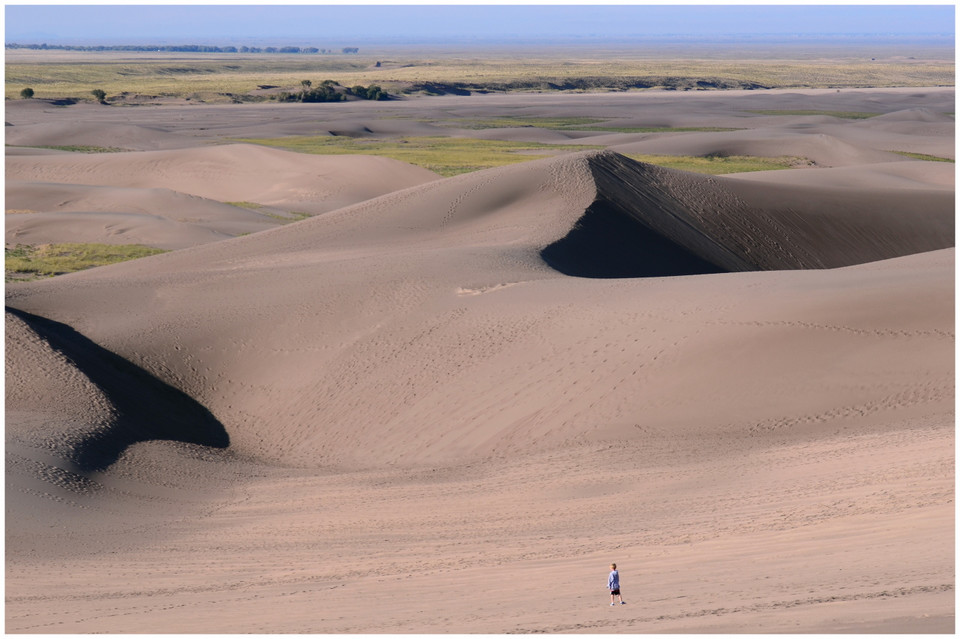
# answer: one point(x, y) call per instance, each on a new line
point(613, 583)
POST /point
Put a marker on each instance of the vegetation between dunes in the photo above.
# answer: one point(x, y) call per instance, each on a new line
point(453, 156)
point(73, 148)
point(253, 206)
point(444, 156)
point(924, 156)
point(847, 115)
point(567, 124)
point(722, 164)
point(521, 121)
point(283, 216)
point(24, 261)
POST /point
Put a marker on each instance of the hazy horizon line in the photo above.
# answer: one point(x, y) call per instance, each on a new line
point(266, 40)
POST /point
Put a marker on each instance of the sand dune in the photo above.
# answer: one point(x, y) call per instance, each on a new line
point(230, 173)
point(717, 224)
point(17, 151)
point(50, 385)
point(96, 134)
point(111, 228)
point(122, 215)
point(406, 247)
point(935, 140)
point(120, 404)
point(824, 150)
point(175, 199)
point(911, 174)
point(916, 114)
point(399, 414)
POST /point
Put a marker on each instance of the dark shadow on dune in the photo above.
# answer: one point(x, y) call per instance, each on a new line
point(641, 224)
point(146, 408)
point(648, 221)
point(607, 243)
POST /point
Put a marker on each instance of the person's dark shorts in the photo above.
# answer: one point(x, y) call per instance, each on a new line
point(615, 592)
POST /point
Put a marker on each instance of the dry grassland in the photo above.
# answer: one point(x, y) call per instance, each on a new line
point(56, 74)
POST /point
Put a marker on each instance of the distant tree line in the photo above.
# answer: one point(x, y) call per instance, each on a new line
point(180, 48)
point(331, 91)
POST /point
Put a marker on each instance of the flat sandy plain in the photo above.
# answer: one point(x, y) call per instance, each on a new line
point(446, 405)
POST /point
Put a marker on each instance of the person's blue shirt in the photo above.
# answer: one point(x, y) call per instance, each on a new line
point(613, 581)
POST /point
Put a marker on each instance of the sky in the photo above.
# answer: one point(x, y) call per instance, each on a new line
point(309, 24)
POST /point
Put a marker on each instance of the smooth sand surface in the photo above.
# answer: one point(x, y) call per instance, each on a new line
point(447, 405)
point(184, 197)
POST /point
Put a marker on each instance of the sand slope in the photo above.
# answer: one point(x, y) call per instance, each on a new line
point(40, 212)
point(230, 173)
point(910, 174)
point(428, 261)
point(180, 198)
point(823, 149)
point(93, 134)
point(397, 415)
point(737, 226)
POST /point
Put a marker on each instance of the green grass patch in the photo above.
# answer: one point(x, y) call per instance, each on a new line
point(45, 260)
point(283, 216)
point(73, 148)
point(287, 218)
point(660, 129)
point(519, 122)
point(721, 165)
point(847, 115)
point(83, 148)
point(442, 155)
point(924, 156)
point(567, 124)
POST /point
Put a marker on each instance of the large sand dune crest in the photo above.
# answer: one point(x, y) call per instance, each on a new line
point(688, 224)
point(373, 279)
